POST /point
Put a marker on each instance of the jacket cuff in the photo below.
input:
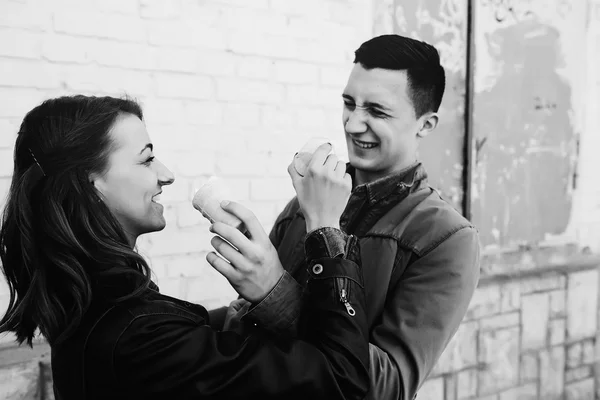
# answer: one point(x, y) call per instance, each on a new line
point(325, 242)
point(280, 310)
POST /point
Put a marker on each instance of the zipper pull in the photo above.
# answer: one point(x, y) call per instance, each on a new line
point(344, 300)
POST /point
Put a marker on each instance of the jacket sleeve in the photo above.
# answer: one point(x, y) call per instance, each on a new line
point(169, 356)
point(424, 311)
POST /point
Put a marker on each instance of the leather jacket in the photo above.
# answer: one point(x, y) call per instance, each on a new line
point(159, 347)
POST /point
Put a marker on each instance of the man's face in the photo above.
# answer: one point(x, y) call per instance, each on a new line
point(380, 123)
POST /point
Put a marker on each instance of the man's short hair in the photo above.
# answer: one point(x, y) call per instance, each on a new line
point(425, 75)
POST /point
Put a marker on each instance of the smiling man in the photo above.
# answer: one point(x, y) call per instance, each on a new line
point(420, 256)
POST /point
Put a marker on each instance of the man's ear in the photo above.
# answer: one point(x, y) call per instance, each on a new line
point(428, 123)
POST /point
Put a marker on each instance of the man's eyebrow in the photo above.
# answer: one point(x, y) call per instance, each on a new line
point(368, 104)
point(147, 146)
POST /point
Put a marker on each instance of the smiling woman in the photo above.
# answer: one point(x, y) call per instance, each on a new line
point(85, 185)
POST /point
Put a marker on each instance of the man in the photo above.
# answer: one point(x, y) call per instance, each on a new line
point(420, 257)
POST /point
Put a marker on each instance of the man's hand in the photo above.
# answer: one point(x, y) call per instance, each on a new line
point(250, 264)
point(324, 189)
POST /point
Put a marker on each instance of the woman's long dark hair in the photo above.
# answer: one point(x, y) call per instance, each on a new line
point(59, 243)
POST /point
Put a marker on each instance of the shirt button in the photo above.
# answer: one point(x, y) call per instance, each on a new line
point(317, 269)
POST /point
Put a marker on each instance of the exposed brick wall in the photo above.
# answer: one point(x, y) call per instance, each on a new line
point(228, 87)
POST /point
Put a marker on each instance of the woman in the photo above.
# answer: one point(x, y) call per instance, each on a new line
point(86, 184)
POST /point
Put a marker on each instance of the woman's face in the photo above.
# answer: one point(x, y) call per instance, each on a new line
point(134, 179)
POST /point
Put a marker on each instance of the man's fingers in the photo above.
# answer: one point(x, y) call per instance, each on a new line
point(331, 163)
point(320, 155)
point(294, 174)
point(228, 252)
point(233, 236)
point(340, 168)
point(252, 224)
point(223, 267)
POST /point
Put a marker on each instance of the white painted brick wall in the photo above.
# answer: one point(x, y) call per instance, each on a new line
point(229, 87)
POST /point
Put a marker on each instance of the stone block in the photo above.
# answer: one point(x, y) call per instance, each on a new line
point(460, 352)
point(432, 389)
point(485, 302)
point(466, 384)
point(529, 368)
point(578, 374)
point(499, 352)
point(582, 390)
point(19, 381)
point(574, 355)
point(500, 321)
point(588, 352)
point(542, 284)
point(450, 389)
point(557, 331)
point(526, 392)
point(510, 297)
point(535, 318)
point(582, 305)
point(552, 369)
point(558, 303)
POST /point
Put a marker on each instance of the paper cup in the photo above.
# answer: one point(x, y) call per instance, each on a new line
point(208, 200)
point(302, 159)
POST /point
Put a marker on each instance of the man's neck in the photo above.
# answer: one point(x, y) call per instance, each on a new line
point(361, 177)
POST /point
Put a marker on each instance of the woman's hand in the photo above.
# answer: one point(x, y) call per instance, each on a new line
point(324, 190)
point(250, 264)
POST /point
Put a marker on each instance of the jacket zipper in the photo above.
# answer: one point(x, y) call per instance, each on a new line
point(344, 294)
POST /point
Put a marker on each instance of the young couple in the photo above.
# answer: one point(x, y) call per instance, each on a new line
point(363, 280)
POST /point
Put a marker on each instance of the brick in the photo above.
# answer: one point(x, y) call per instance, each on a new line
point(542, 284)
point(204, 113)
point(467, 384)
point(583, 390)
point(307, 7)
point(255, 68)
point(432, 389)
point(499, 351)
point(558, 303)
point(500, 321)
point(8, 133)
point(295, 72)
point(310, 117)
point(185, 33)
point(29, 73)
point(552, 366)
point(271, 189)
point(163, 115)
point(179, 191)
point(245, 3)
point(588, 352)
point(218, 63)
point(485, 302)
point(275, 116)
point(127, 7)
point(184, 86)
point(526, 392)
point(6, 163)
point(124, 55)
point(254, 20)
point(86, 23)
point(19, 381)
point(460, 352)
point(450, 383)
point(334, 76)
point(166, 243)
point(188, 216)
point(557, 332)
point(176, 59)
point(160, 9)
point(242, 115)
point(510, 297)
point(64, 48)
point(578, 374)
point(536, 312)
point(182, 265)
point(211, 285)
point(104, 80)
point(171, 286)
point(301, 95)
point(191, 163)
point(22, 16)
point(239, 90)
point(20, 43)
point(16, 102)
point(582, 305)
point(529, 367)
point(574, 355)
point(262, 44)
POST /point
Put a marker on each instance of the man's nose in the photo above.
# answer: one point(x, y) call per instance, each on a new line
point(355, 122)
